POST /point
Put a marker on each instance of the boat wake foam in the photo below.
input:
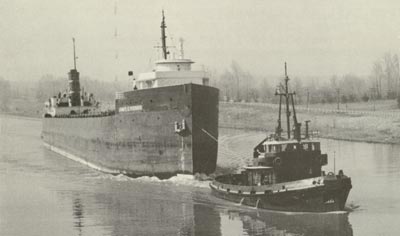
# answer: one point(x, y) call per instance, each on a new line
point(352, 207)
point(179, 180)
point(198, 180)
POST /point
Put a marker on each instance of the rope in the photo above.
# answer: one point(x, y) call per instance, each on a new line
point(223, 149)
point(212, 137)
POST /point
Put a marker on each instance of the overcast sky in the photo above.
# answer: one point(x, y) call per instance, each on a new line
point(315, 37)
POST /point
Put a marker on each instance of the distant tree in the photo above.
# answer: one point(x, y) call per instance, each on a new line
point(253, 95)
point(49, 86)
point(5, 93)
point(225, 83)
point(398, 101)
point(391, 72)
point(299, 89)
point(365, 98)
point(377, 76)
point(265, 91)
point(312, 91)
point(344, 99)
point(237, 84)
point(353, 87)
point(237, 74)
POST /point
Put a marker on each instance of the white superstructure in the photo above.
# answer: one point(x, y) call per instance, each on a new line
point(171, 72)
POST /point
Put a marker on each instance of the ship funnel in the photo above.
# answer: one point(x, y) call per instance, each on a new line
point(74, 88)
point(307, 129)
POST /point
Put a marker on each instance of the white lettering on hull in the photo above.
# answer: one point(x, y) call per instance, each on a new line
point(131, 108)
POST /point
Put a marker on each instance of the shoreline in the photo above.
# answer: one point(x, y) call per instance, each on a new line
point(320, 136)
point(367, 128)
point(19, 116)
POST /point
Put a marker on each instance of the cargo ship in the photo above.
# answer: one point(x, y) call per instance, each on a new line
point(165, 125)
point(286, 173)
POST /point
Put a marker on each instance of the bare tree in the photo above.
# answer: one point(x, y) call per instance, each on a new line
point(377, 76)
point(391, 74)
point(237, 73)
point(5, 93)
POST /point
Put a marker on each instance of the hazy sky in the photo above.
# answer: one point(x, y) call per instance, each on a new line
point(315, 37)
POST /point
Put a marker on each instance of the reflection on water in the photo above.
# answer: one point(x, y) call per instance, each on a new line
point(42, 193)
point(273, 223)
point(139, 216)
point(78, 215)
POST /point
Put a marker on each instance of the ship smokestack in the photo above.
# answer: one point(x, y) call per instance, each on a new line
point(74, 85)
point(74, 88)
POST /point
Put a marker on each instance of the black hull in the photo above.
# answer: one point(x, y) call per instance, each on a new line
point(322, 198)
point(144, 142)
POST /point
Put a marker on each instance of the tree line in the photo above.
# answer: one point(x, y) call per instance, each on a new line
point(383, 82)
point(237, 84)
point(5, 94)
point(39, 91)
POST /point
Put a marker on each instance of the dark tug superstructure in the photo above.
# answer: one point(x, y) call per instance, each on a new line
point(286, 173)
point(167, 124)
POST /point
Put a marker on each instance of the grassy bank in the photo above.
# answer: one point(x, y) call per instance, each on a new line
point(381, 126)
point(369, 122)
point(27, 107)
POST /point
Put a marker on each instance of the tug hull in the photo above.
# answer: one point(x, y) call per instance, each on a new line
point(322, 197)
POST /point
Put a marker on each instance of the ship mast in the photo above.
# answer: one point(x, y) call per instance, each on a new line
point(287, 102)
point(73, 44)
point(163, 37)
point(289, 98)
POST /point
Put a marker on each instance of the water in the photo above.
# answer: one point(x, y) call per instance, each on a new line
point(42, 193)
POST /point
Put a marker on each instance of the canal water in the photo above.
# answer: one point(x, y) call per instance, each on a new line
point(43, 193)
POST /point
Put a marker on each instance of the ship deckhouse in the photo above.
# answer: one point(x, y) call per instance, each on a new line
point(170, 71)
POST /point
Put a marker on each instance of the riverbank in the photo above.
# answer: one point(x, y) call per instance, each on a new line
point(25, 107)
point(380, 125)
point(364, 126)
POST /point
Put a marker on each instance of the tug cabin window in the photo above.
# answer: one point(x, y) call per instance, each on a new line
point(273, 148)
point(311, 146)
point(260, 177)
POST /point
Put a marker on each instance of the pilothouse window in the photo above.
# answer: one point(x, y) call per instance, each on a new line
point(149, 84)
point(274, 148)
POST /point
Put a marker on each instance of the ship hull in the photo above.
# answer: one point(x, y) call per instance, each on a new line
point(142, 138)
point(318, 198)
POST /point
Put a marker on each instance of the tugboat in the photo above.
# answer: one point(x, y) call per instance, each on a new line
point(286, 173)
